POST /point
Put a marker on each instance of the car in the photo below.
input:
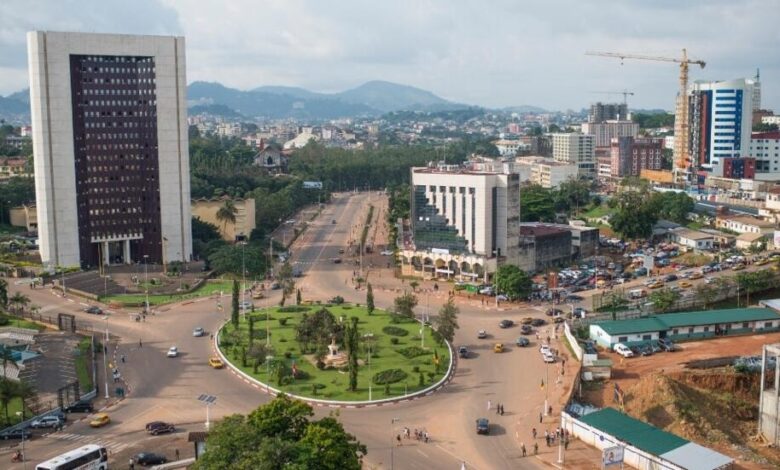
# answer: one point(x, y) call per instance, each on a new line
point(656, 285)
point(526, 320)
point(149, 458)
point(623, 350)
point(559, 319)
point(506, 324)
point(296, 273)
point(538, 322)
point(548, 357)
point(483, 426)
point(94, 310)
point(173, 351)
point(575, 298)
point(670, 278)
point(481, 334)
point(79, 407)
point(696, 275)
point(498, 347)
point(198, 332)
point(290, 221)
point(708, 280)
point(684, 284)
point(552, 312)
point(579, 312)
point(15, 434)
point(99, 420)
point(333, 221)
point(48, 421)
point(336, 260)
point(646, 350)
point(159, 427)
point(275, 286)
point(762, 262)
point(216, 363)
point(545, 348)
point(245, 305)
point(522, 341)
point(502, 297)
point(341, 251)
point(739, 267)
point(526, 329)
point(487, 290)
point(667, 345)
point(386, 253)
point(463, 352)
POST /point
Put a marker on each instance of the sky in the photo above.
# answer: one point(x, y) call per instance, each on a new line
point(492, 53)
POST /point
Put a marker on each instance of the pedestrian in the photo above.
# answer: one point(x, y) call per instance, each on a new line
point(140, 344)
point(177, 454)
point(563, 364)
point(131, 465)
point(398, 438)
point(522, 448)
point(489, 405)
point(123, 358)
point(566, 444)
point(547, 440)
point(546, 435)
point(540, 417)
point(498, 408)
point(502, 410)
point(426, 436)
point(549, 410)
point(533, 432)
point(536, 448)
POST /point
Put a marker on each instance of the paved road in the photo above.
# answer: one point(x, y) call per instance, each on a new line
point(164, 388)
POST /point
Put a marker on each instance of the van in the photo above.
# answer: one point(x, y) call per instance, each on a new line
point(637, 293)
point(623, 350)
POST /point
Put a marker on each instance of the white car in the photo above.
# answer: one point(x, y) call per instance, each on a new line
point(198, 332)
point(482, 334)
point(387, 253)
point(545, 349)
point(173, 351)
point(548, 357)
point(623, 350)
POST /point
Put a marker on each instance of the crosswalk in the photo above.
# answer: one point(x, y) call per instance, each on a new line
point(79, 439)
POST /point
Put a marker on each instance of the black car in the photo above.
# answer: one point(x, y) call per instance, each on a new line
point(94, 310)
point(553, 312)
point(670, 278)
point(463, 352)
point(666, 345)
point(522, 342)
point(149, 458)
point(16, 434)
point(526, 329)
point(506, 324)
point(558, 320)
point(79, 407)
point(538, 322)
point(575, 298)
point(159, 427)
point(483, 426)
point(336, 260)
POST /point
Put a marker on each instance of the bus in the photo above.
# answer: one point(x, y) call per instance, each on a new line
point(89, 457)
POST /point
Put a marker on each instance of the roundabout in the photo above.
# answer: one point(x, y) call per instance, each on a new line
point(304, 351)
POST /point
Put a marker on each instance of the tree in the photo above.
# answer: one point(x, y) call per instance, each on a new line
point(230, 259)
point(752, 282)
point(614, 302)
point(513, 282)
point(664, 299)
point(24, 391)
point(286, 280)
point(19, 301)
point(7, 393)
point(764, 127)
point(3, 294)
point(369, 299)
point(351, 340)
point(404, 304)
point(672, 206)
point(572, 195)
point(537, 204)
point(318, 330)
point(447, 321)
point(234, 305)
point(298, 297)
point(635, 216)
point(227, 213)
point(706, 294)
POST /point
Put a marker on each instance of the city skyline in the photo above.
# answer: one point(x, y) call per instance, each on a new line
point(503, 56)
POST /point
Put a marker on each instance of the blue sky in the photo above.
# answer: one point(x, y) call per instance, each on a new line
point(492, 53)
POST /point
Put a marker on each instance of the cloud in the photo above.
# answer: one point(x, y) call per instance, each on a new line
point(499, 53)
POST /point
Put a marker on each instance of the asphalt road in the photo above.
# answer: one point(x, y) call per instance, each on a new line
point(162, 388)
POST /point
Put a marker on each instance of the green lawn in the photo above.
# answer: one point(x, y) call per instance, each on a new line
point(22, 323)
point(695, 225)
point(204, 290)
point(598, 212)
point(84, 365)
point(333, 383)
point(13, 406)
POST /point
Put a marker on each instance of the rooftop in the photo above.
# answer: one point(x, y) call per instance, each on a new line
point(692, 234)
point(541, 230)
point(747, 220)
point(676, 320)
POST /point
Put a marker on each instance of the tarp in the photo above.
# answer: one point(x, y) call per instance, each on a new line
point(694, 456)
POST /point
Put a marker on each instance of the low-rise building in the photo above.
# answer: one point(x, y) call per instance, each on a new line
point(693, 240)
point(271, 158)
point(24, 216)
point(744, 224)
point(765, 149)
point(510, 148)
point(301, 140)
point(629, 156)
point(207, 210)
point(11, 167)
point(750, 240)
point(545, 172)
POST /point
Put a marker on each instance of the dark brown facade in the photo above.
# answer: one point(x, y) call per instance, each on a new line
point(116, 157)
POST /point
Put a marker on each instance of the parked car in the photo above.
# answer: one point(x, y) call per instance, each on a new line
point(79, 407)
point(159, 427)
point(538, 322)
point(198, 332)
point(386, 253)
point(667, 345)
point(481, 334)
point(646, 350)
point(483, 426)
point(15, 434)
point(506, 324)
point(99, 420)
point(579, 312)
point(487, 290)
point(498, 347)
point(684, 284)
point(559, 319)
point(94, 310)
point(216, 363)
point(336, 260)
point(463, 352)
point(149, 458)
point(696, 275)
point(575, 298)
point(48, 421)
point(670, 278)
point(548, 357)
point(623, 350)
point(245, 305)
point(551, 312)
point(522, 342)
point(173, 351)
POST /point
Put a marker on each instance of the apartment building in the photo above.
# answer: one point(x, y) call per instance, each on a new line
point(545, 172)
point(629, 156)
point(604, 132)
point(765, 149)
point(578, 149)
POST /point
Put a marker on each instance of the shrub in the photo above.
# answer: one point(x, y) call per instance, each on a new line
point(394, 340)
point(287, 354)
point(416, 369)
point(282, 340)
point(320, 364)
point(389, 376)
point(302, 375)
point(394, 330)
point(387, 389)
point(412, 351)
point(338, 300)
point(421, 382)
point(4, 320)
point(283, 321)
point(286, 380)
point(347, 307)
point(293, 309)
point(431, 375)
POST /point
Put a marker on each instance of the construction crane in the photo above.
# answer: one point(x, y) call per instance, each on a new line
point(681, 126)
point(625, 94)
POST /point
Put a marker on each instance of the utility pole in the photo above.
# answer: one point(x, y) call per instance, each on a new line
point(146, 282)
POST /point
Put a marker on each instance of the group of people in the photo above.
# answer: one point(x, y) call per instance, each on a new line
point(419, 435)
point(550, 437)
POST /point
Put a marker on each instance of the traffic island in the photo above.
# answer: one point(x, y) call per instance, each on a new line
point(307, 351)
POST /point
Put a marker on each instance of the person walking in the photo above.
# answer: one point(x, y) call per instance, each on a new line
point(522, 448)
point(123, 358)
point(489, 403)
point(177, 455)
point(536, 448)
point(398, 438)
point(566, 444)
point(140, 344)
point(533, 432)
point(540, 418)
point(498, 408)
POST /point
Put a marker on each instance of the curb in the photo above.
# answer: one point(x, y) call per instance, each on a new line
point(336, 403)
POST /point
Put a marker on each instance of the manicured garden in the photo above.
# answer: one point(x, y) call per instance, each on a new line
point(299, 339)
point(205, 289)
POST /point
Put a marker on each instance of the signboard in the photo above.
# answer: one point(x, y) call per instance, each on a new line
point(776, 239)
point(649, 263)
point(312, 185)
point(440, 251)
point(612, 456)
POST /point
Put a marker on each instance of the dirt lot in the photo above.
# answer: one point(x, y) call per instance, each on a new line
point(662, 390)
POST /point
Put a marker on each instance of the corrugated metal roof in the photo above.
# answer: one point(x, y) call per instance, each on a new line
point(676, 320)
point(634, 432)
point(694, 456)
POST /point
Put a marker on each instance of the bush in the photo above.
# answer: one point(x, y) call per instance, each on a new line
point(4, 320)
point(416, 369)
point(338, 300)
point(394, 330)
point(293, 309)
point(283, 321)
point(389, 376)
point(412, 351)
point(421, 382)
point(287, 354)
point(347, 307)
point(320, 364)
point(393, 340)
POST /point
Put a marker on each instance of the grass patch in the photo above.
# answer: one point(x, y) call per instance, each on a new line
point(205, 289)
point(332, 384)
point(8, 320)
point(599, 211)
point(84, 365)
point(695, 225)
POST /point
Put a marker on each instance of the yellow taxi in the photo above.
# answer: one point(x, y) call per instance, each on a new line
point(498, 347)
point(762, 262)
point(656, 285)
point(99, 420)
point(684, 284)
point(739, 267)
point(696, 275)
point(216, 363)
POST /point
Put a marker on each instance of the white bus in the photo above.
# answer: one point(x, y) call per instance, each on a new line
point(89, 457)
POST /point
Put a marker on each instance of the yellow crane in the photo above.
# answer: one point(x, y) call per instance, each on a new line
point(681, 126)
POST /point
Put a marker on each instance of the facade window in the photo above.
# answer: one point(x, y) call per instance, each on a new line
point(622, 339)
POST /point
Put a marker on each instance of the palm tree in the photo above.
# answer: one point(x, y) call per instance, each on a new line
point(227, 213)
point(6, 355)
point(19, 300)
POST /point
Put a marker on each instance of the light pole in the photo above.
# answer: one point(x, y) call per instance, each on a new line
point(62, 269)
point(105, 360)
point(546, 386)
point(146, 282)
point(208, 400)
point(24, 460)
point(392, 436)
point(243, 281)
point(369, 337)
point(560, 442)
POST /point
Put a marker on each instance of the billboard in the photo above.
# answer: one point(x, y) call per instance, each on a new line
point(312, 185)
point(776, 239)
point(612, 456)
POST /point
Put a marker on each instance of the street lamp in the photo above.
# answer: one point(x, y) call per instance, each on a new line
point(560, 442)
point(546, 386)
point(105, 360)
point(208, 400)
point(392, 436)
point(146, 282)
point(24, 460)
point(243, 280)
point(369, 337)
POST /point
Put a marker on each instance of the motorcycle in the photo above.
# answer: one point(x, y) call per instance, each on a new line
point(17, 457)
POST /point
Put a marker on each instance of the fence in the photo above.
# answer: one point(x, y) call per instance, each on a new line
point(575, 345)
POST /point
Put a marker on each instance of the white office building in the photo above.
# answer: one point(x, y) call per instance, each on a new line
point(604, 132)
point(545, 172)
point(578, 149)
point(109, 119)
point(765, 148)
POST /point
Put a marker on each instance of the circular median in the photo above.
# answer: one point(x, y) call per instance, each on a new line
point(305, 351)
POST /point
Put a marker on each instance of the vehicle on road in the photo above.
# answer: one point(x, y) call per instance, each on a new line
point(545, 348)
point(559, 319)
point(551, 312)
point(15, 434)
point(245, 305)
point(386, 253)
point(738, 267)
point(487, 290)
point(498, 347)
point(275, 286)
point(696, 275)
point(336, 260)
point(159, 427)
point(173, 351)
point(149, 458)
point(579, 312)
point(79, 407)
point(548, 357)
point(483, 426)
point(522, 341)
point(538, 322)
point(99, 420)
point(684, 284)
point(89, 456)
point(481, 334)
point(670, 278)
point(506, 324)
point(49, 421)
point(198, 332)
point(575, 298)
point(526, 329)
point(463, 352)
point(216, 363)
point(656, 285)
point(94, 310)
point(623, 350)
point(341, 251)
